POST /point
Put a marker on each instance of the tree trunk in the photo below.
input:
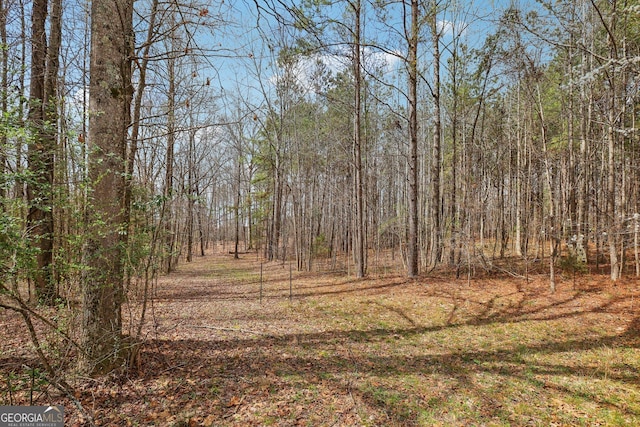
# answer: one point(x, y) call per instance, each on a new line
point(613, 228)
point(612, 214)
point(169, 226)
point(135, 124)
point(4, 104)
point(436, 203)
point(41, 149)
point(191, 195)
point(236, 209)
point(110, 93)
point(552, 197)
point(636, 242)
point(359, 235)
point(4, 86)
point(201, 232)
point(412, 237)
point(276, 211)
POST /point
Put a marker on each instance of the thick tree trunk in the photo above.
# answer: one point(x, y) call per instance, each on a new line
point(41, 150)
point(110, 93)
point(586, 101)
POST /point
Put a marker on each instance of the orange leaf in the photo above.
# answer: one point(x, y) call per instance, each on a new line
point(234, 401)
point(209, 421)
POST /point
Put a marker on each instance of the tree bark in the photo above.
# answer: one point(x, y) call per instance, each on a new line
point(169, 223)
point(43, 121)
point(191, 196)
point(4, 86)
point(613, 222)
point(412, 237)
point(359, 235)
point(110, 94)
point(436, 203)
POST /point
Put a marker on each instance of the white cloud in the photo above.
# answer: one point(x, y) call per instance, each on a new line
point(450, 28)
point(305, 69)
point(387, 62)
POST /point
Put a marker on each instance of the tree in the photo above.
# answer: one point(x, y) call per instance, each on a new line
point(110, 94)
point(43, 119)
point(615, 80)
point(4, 96)
point(360, 246)
point(412, 68)
point(436, 29)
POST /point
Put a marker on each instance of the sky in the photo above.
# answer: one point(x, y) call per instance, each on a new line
point(471, 20)
point(240, 61)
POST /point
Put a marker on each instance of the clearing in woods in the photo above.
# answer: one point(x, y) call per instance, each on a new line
point(383, 351)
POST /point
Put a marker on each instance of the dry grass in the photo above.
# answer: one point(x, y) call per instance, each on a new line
point(382, 351)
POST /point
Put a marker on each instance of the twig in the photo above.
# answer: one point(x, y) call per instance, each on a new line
point(511, 273)
point(69, 393)
point(218, 328)
point(488, 266)
point(235, 411)
point(25, 308)
point(60, 384)
point(171, 368)
point(349, 383)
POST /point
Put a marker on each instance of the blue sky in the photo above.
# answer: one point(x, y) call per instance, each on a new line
point(246, 65)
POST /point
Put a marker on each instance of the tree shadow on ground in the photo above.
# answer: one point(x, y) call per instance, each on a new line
point(224, 289)
point(242, 367)
point(278, 368)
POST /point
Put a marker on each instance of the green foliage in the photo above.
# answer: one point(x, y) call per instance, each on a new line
point(632, 21)
point(27, 381)
point(573, 264)
point(559, 142)
point(321, 246)
point(143, 228)
point(17, 256)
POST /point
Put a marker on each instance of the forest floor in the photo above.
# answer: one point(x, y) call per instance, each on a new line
point(383, 351)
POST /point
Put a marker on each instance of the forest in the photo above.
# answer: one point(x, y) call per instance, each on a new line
point(323, 151)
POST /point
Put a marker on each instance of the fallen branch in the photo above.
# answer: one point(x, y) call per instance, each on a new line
point(490, 266)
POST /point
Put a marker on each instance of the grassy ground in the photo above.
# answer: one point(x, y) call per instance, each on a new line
point(382, 351)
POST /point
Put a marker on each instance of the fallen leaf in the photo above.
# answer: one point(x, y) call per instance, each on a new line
point(208, 422)
point(234, 401)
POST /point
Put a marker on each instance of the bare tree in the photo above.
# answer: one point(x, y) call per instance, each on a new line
point(358, 191)
point(436, 154)
point(412, 68)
